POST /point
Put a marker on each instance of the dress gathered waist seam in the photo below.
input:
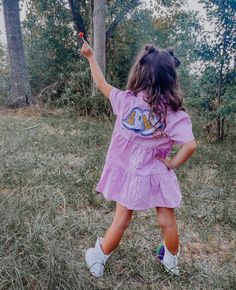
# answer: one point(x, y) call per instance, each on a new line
point(112, 162)
point(137, 143)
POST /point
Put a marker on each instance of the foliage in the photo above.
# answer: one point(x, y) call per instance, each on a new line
point(54, 55)
point(59, 58)
point(77, 95)
point(122, 48)
point(54, 58)
point(180, 29)
point(51, 44)
point(117, 12)
point(228, 109)
point(203, 93)
point(146, 27)
point(219, 48)
point(4, 76)
point(218, 51)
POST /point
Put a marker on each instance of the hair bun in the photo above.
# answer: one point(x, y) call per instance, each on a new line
point(177, 61)
point(171, 50)
point(149, 48)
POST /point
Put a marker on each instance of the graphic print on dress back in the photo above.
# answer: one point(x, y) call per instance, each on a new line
point(139, 121)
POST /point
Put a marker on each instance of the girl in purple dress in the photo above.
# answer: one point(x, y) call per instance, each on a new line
point(138, 174)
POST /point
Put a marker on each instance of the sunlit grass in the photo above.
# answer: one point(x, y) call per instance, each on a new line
point(50, 213)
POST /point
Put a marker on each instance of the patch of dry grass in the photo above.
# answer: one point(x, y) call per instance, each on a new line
point(50, 213)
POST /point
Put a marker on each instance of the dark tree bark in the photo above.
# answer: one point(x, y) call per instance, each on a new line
point(220, 119)
point(79, 23)
point(98, 10)
point(20, 92)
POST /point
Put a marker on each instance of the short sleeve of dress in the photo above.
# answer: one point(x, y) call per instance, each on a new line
point(181, 131)
point(118, 99)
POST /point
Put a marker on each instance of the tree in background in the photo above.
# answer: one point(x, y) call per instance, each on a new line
point(20, 93)
point(172, 26)
point(218, 50)
point(179, 28)
point(99, 34)
point(56, 66)
point(52, 49)
point(75, 8)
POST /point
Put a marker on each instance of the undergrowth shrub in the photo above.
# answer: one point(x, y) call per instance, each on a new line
point(74, 92)
point(4, 88)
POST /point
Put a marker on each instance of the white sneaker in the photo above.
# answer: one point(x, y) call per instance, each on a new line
point(96, 259)
point(169, 261)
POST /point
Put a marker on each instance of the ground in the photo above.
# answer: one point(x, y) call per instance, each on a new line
point(50, 213)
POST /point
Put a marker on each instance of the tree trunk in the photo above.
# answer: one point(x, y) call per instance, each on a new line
point(77, 17)
point(223, 128)
point(220, 122)
point(20, 92)
point(99, 30)
point(91, 40)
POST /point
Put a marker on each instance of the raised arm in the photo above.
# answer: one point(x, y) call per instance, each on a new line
point(97, 74)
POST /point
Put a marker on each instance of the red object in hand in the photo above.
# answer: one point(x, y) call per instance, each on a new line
point(81, 34)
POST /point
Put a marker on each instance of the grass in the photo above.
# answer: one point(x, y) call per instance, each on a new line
point(50, 213)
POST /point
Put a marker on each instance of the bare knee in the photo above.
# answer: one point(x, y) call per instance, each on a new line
point(122, 223)
point(122, 218)
point(166, 218)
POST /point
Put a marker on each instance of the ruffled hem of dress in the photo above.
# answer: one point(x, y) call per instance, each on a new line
point(139, 192)
point(120, 201)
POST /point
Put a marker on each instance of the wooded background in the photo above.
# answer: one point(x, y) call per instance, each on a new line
point(55, 130)
point(44, 64)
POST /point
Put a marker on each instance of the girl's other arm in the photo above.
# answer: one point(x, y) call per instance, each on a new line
point(184, 153)
point(97, 74)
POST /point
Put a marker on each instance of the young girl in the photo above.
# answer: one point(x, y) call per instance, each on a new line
point(137, 173)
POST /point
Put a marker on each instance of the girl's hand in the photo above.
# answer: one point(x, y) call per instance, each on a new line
point(86, 50)
point(182, 155)
point(166, 161)
point(97, 74)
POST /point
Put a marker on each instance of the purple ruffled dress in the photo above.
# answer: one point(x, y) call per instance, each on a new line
point(132, 176)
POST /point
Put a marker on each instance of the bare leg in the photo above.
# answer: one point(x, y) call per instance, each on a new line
point(114, 234)
point(167, 222)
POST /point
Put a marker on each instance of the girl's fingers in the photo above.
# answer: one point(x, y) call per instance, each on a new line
point(160, 158)
point(87, 45)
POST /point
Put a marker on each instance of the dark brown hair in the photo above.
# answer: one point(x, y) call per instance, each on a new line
point(154, 71)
